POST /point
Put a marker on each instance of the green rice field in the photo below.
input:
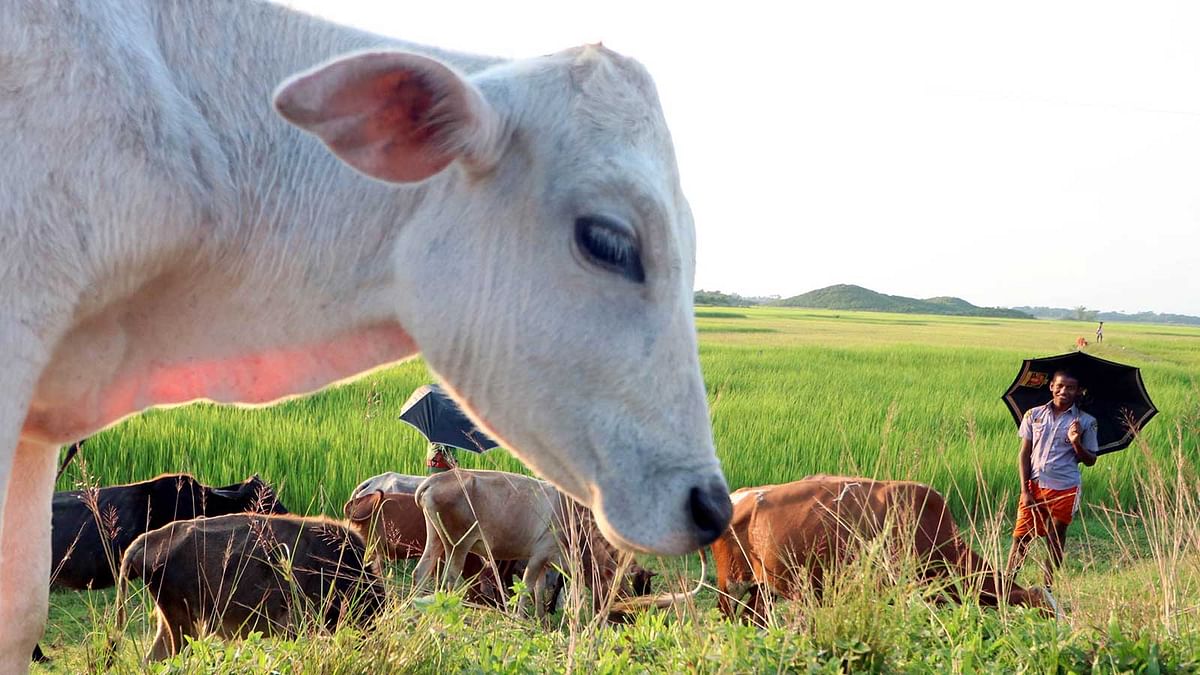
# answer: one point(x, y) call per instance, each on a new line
point(792, 392)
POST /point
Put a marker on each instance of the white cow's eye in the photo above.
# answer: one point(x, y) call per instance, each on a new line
point(610, 244)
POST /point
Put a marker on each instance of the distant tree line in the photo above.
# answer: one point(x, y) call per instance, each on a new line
point(1084, 314)
point(729, 299)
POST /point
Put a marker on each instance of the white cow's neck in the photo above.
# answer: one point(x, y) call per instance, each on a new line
point(278, 192)
point(266, 267)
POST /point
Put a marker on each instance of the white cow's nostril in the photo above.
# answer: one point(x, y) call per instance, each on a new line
point(711, 510)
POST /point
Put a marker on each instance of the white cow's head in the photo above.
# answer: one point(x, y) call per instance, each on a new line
point(545, 267)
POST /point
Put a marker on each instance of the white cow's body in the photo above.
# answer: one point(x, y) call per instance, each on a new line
point(388, 482)
point(165, 236)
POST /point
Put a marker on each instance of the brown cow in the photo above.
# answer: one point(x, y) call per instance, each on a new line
point(393, 524)
point(513, 517)
point(251, 572)
point(390, 521)
point(92, 528)
point(788, 537)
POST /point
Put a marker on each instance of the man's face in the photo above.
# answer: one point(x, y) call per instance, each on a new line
point(1063, 391)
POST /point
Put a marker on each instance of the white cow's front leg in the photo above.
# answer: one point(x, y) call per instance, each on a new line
point(22, 614)
point(25, 554)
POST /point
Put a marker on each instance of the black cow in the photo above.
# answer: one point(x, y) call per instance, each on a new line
point(93, 528)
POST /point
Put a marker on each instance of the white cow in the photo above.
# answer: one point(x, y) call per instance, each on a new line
point(165, 236)
point(388, 482)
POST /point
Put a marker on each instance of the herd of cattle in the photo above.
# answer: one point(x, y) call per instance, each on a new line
point(233, 559)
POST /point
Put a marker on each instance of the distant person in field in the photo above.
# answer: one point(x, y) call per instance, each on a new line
point(440, 458)
point(1100, 332)
point(1055, 439)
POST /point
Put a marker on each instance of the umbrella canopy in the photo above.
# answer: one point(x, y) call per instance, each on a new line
point(1111, 392)
point(440, 419)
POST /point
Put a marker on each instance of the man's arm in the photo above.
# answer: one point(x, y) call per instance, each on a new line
point(1083, 454)
point(1025, 468)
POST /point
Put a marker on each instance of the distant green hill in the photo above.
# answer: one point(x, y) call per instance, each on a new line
point(848, 296)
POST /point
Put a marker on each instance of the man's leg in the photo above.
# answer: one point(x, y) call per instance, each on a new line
point(1056, 536)
point(1016, 555)
point(1027, 528)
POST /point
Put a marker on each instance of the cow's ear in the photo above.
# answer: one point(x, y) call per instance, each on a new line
point(360, 509)
point(394, 116)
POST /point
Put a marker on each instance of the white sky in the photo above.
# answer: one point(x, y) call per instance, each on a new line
point(1020, 153)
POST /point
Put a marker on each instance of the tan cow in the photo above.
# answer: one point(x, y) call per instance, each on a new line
point(789, 537)
point(250, 572)
point(393, 524)
point(507, 516)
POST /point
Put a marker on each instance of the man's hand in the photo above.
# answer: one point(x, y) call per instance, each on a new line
point(1075, 433)
point(1026, 495)
point(1075, 436)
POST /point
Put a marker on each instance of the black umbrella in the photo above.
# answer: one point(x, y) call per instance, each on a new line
point(1111, 392)
point(437, 416)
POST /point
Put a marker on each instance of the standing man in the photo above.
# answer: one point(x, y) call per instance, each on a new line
point(1055, 439)
point(440, 458)
point(1100, 332)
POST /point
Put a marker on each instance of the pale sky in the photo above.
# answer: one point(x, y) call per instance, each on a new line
point(1020, 153)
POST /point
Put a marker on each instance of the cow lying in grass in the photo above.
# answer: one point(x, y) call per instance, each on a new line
point(790, 537)
point(507, 516)
point(242, 573)
point(393, 524)
point(92, 528)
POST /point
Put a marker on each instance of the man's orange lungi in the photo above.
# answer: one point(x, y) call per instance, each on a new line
point(1060, 504)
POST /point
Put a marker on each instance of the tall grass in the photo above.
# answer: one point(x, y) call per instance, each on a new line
point(1133, 610)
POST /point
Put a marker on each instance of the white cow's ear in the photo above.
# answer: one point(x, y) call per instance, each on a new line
point(394, 116)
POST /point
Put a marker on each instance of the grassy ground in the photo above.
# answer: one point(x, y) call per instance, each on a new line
point(792, 392)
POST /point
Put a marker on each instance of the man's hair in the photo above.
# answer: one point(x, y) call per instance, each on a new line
point(1066, 373)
